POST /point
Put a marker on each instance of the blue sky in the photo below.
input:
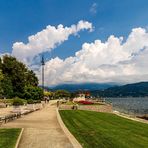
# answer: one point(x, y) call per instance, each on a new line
point(20, 19)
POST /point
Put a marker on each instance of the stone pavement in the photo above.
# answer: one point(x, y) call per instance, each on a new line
point(5, 111)
point(41, 129)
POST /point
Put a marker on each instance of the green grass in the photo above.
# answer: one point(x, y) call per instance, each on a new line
point(8, 137)
point(105, 130)
point(69, 103)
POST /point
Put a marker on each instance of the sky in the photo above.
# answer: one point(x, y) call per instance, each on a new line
point(82, 40)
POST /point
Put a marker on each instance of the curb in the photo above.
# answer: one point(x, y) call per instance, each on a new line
point(19, 138)
point(71, 138)
point(131, 118)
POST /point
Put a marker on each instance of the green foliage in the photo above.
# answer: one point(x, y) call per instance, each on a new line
point(33, 92)
point(30, 101)
point(48, 94)
point(0, 63)
point(73, 95)
point(15, 70)
point(10, 101)
point(17, 101)
point(62, 94)
point(1, 78)
point(37, 101)
point(105, 130)
point(1, 75)
point(15, 77)
point(31, 78)
point(7, 87)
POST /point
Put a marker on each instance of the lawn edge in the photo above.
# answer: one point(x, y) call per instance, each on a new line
point(126, 116)
point(71, 138)
point(19, 138)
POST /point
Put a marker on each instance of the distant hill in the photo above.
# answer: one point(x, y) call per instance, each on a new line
point(132, 90)
point(83, 86)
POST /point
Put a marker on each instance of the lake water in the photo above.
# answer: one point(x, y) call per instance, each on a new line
point(136, 106)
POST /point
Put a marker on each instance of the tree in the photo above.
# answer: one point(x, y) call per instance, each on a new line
point(33, 92)
point(1, 75)
point(1, 78)
point(0, 63)
point(15, 70)
point(16, 80)
point(7, 87)
point(48, 94)
point(17, 76)
point(62, 94)
point(31, 78)
point(73, 95)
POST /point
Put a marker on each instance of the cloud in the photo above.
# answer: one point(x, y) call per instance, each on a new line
point(46, 40)
point(110, 61)
point(93, 8)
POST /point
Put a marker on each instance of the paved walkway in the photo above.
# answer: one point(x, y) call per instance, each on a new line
point(41, 130)
point(5, 111)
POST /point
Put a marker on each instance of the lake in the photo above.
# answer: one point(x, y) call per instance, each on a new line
point(136, 106)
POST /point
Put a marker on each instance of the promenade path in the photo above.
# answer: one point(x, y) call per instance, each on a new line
point(5, 111)
point(41, 129)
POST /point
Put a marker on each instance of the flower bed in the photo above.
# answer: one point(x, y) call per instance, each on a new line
point(85, 102)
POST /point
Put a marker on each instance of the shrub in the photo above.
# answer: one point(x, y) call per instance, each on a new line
point(17, 102)
point(30, 101)
point(33, 92)
point(37, 101)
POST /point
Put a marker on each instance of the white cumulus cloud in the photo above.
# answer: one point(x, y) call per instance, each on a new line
point(110, 61)
point(46, 40)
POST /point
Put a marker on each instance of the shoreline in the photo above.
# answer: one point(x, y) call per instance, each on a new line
point(129, 117)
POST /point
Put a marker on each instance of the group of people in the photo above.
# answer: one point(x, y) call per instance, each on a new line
point(46, 99)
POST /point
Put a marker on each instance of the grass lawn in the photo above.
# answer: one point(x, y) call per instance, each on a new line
point(8, 137)
point(69, 103)
point(104, 130)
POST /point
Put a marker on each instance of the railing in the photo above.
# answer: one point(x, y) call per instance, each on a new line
point(17, 114)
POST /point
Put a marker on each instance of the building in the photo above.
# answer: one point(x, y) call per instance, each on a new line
point(82, 96)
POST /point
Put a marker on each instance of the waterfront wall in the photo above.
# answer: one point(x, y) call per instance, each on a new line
point(99, 108)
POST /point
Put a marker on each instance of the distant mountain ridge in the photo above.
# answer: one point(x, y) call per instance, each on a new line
point(83, 86)
point(132, 90)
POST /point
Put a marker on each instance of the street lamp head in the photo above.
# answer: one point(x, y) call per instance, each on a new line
point(42, 61)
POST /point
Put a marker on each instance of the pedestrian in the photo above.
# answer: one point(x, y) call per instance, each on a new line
point(57, 103)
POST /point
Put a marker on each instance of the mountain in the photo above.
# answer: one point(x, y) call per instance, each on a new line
point(133, 90)
point(83, 86)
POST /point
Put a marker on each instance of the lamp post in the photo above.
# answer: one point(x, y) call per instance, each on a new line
point(43, 63)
